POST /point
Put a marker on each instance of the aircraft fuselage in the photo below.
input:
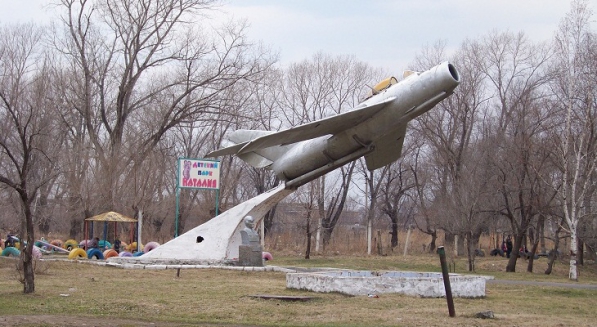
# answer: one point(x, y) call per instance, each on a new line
point(307, 160)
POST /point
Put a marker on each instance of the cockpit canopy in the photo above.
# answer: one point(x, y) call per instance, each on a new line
point(386, 83)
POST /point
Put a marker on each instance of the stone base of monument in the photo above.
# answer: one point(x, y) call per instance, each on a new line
point(363, 282)
point(250, 256)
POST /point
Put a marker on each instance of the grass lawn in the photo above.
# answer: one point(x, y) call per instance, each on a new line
point(69, 293)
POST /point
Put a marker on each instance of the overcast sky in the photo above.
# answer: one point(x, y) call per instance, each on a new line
point(383, 33)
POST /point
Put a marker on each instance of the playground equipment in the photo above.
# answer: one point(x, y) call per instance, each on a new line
point(11, 252)
point(14, 252)
point(12, 241)
point(150, 246)
point(266, 256)
point(107, 217)
point(71, 244)
point(77, 253)
point(50, 246)
point(133, 247)
point(36, 252)
point(95, 253)
point(109, 253)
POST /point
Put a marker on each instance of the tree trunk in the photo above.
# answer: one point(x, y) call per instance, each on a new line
point(449, 240)
point(542, 237)
point(461, 246)
point(532, 255)
point(580, 252)
point(308, 250)
point(379, 244)
point(470, 252)
point(75, 227)
point(318, 235)
point(573, 272)
point(538, 236)
point(394, 233)
point(268, 220)
point(27, 254)
point(433, 240)
point(511, 267)
point(554, 252)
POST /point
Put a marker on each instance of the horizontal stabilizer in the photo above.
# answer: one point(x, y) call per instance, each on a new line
point(225, 151)
point(236, 140)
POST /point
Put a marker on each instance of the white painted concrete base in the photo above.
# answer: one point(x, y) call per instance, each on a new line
point(215, 241)
point(366, 282)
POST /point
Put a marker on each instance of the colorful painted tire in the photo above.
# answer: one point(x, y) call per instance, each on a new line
point(266, 256)
point(95, 253)
point(138, 254)
point(36, 252)
point(38, 244)
point(83, 243)
point(77, 253)
point(11, 252)
point(71, 244)
point(57, 243)
point(150, 246)
point(133, 247)
point(104, 244)
point(125, 254)
point(110, 253)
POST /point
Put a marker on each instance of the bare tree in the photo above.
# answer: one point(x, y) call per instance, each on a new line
point(576, 92)
point(138, 70)
point(373, 185)
point(397, 182)
point(26, 128)
point(451, 134)
point(314, 89)
point(515, 69)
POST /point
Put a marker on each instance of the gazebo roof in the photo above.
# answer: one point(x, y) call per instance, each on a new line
point(112, 216)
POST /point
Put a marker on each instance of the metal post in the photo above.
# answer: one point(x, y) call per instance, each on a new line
point(105, 234)
point(217, 200)
point(139, 230)
point(446, 276)
point(177, 197)
point(177, 213)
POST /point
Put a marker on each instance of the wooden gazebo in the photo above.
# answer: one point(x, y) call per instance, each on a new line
point(110, 216)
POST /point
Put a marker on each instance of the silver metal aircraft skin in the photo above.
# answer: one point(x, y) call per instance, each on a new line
point(375, 129)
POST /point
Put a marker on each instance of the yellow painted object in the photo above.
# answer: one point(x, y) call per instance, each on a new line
point(384, 84)
point(71, 244)
point(77, 253)
point(133, 247)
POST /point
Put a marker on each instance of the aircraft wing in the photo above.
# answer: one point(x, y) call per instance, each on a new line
point(329, 125)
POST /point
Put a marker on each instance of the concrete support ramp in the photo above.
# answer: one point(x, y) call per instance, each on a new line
point(218, 239)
